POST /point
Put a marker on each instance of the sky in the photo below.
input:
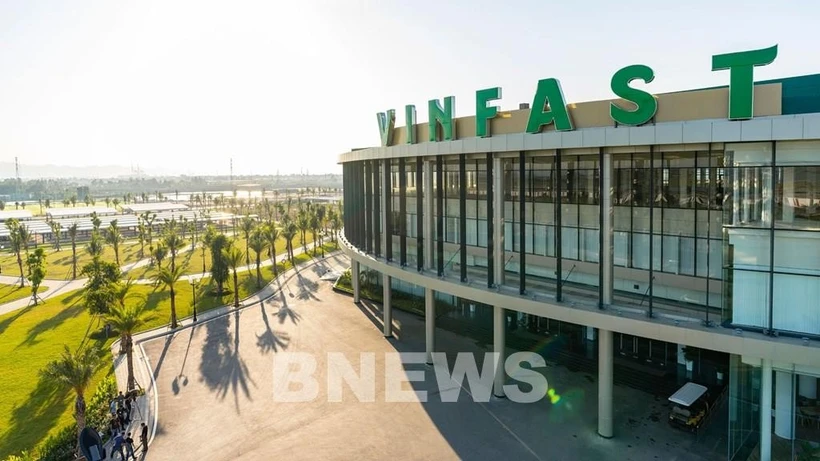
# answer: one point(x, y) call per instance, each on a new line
point(280, 86)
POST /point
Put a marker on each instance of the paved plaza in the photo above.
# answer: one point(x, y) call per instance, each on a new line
point(215, 394)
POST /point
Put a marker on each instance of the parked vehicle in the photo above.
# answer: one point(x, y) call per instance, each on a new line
point(691, 406)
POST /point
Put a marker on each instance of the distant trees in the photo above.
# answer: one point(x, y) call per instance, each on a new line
point(258, 244)
point(247, 226)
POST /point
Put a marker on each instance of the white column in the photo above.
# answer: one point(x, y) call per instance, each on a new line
point(766, 411)
point(606, 252)
point(430, 323)
point(605, 378)
point(807, 386)
point(387, 307)
point(354, 280)
point(499, 341)
point(783, 404)
point(429, 194)
point(498, 220)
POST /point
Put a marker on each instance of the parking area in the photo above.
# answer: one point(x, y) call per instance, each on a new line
point(215, 395)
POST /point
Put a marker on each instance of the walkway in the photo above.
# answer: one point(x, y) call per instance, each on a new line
point(58, 287)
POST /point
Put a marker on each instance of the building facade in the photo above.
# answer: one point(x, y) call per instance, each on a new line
point(688, 244)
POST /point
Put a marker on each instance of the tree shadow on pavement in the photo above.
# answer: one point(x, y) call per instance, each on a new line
point(222, 368)
point(307, 288)
point(271, 340)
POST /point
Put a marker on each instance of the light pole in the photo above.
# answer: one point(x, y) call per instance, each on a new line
point(193, 288)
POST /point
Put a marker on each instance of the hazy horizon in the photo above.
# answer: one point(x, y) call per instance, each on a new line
point(183, 87)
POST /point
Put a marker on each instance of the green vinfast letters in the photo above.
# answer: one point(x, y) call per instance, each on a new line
point(387, 121)
point(741, 78)
point(410, 123)
point(549, 94)
point(443, 117)
point(484, 113)
point(645, 104)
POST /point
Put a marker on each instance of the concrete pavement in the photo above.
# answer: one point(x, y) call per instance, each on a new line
point(214, 394)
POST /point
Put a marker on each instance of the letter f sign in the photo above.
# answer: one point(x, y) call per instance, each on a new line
point(387, 120)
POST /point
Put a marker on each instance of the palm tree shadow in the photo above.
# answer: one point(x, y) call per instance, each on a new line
point(285, 312)
point(307, 288)
point(222, 369)
point(270, 340)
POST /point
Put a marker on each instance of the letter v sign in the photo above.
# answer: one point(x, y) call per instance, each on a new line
point(387, 121)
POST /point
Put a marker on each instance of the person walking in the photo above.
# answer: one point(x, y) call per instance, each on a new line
point(129, 447)
point(118, 442)
point(144, 437)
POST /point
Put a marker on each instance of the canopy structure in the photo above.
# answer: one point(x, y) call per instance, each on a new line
point(77, 212)
point(153, 207)
point(15, 214)
point(688, 394)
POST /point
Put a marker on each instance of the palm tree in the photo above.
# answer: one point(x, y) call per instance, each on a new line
point(56, 231)
point(271, 234)
point(314, 228)
point(257, 244)
point(233, 257)
point(159, 254)
point(72, 234)
point(248, 224)
point(167, 277)
point(289, 233)
point(95, 245)
point(126, 320)
point(74, 370)
point(303, 224)
point(16, 236)
point(173, 242)
point(114, 237)
point(142, 235)
point(336, 225)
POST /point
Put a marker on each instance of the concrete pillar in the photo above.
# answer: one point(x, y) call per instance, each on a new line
point(499, 341)
point(606, 251)
point(498, 220)
point(807, 386)
point(766, 411)
point(430, 323)
point(605, 379)
point(354, 280)
point(783, 404)
point(429, 221)
point(387, 307)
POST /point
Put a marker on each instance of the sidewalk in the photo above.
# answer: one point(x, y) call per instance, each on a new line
point(147, 404)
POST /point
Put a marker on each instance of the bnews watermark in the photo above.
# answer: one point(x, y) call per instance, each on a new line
point(295, 377)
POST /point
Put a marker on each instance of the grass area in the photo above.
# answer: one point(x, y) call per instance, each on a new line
point(58, 263)
point(191, 261)
point(30, 410)
point(9, 293)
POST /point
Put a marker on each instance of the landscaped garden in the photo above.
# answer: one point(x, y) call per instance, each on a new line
point(9, 293)
point(58, 263)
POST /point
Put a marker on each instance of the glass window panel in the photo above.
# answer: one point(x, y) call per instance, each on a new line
point(569, 246)
point(671, 254)
point(747, 154)
point(621, 249)
point(795, 303)
point(750, 298)
point(716, 259)
point(702, 259)
point(797, 252)
point(640, 251)
point(686, 256)
point(657, 241)
point(797, 204)
point(749, 248)
point(591, 244)
point(540, 240)
point(798, 153)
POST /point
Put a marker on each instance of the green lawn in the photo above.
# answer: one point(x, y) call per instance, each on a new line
point(29, 338)
point(9, 293)
point(58, 263)
point(191, 261)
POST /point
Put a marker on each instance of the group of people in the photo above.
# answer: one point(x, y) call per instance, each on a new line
point(121, 408)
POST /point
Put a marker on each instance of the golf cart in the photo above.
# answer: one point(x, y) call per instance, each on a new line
point(691, 405)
